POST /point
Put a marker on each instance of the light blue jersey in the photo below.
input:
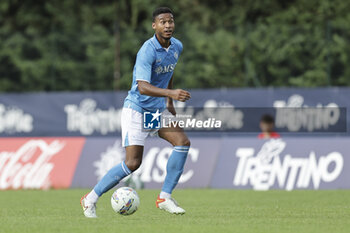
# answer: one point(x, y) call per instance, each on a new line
point(155, 65)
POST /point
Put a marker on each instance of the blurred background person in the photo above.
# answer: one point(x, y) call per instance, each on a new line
point(267, 126)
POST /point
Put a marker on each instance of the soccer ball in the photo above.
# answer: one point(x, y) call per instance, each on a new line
point(125, 201)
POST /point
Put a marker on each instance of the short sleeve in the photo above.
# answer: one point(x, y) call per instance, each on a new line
point(144, 61)
point(180, 46)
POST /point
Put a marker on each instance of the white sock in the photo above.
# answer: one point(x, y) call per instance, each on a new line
point(164, 195)
point(92, 197)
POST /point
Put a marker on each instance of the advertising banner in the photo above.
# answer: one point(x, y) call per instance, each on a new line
point(99, 155)
point(60, 114)
point(212, 162)
point(38, 163)
point(97, 114)
point(229, 162)
point(293, 163)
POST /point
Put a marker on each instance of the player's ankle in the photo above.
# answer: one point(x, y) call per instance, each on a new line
point(164, 195)
point(92, 197)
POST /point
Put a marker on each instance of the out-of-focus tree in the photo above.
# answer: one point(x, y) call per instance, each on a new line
point(71, 45)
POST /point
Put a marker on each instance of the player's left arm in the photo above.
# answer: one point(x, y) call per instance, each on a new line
point(169, 103)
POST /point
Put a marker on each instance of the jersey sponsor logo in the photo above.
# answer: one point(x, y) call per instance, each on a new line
point(176, 55)
point(267, 168)
point(165, 69)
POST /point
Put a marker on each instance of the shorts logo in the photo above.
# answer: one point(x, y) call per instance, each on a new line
point(151, 120)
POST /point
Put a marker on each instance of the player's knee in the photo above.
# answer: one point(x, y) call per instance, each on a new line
point(133, 164)
point(183, 142)
point(187, 142)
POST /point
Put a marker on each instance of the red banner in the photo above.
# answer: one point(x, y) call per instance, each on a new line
point(38, 163)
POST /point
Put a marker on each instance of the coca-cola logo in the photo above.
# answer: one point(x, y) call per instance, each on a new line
point(30, 165)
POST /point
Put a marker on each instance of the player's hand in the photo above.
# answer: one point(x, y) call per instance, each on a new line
point(180, 95)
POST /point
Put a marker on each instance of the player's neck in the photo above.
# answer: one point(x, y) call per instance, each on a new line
point(165, 43)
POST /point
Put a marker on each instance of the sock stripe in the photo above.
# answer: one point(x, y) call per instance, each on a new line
point(182, 148)
point(112, 178)
point(125, 168)
point(183, 151)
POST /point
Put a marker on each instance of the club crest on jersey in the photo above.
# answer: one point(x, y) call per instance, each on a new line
point(165, 69)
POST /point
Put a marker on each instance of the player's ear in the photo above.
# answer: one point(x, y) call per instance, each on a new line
point(154, 25)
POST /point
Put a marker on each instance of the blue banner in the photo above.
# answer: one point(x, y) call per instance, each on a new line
point(320, 110)
point(228, 162)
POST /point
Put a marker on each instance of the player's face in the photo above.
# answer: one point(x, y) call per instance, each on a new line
point(164, 25)
point(266, 127)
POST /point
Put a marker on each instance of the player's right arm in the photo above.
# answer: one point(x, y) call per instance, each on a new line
point(145, 88)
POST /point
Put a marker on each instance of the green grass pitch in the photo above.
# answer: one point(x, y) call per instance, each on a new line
point(208, 210)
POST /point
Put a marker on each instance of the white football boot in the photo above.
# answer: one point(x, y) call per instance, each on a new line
point(169, 205)
point(88, 208)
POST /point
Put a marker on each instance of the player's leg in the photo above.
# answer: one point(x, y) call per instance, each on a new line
point(132, 162)
point(181, 145)
point(133, 141)
point(177, 137)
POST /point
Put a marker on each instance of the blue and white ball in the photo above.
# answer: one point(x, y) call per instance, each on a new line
point(125, 201)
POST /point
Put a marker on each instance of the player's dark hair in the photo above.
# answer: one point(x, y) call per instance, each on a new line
point(267, 118)
point(161, 10)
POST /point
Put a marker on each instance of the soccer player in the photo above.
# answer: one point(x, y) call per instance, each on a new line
point(152, 81)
